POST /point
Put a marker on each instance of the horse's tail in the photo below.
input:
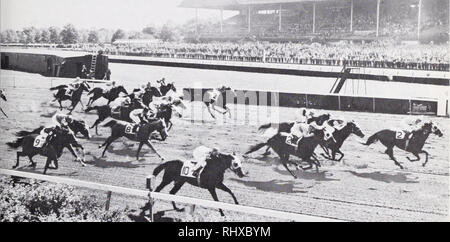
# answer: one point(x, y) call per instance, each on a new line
point(110, 123)
point(25, 133)
point(264, 127)
point(255, 148)
point(16, 143)
point(159, 168)
point(57, 87)
point(372, 139)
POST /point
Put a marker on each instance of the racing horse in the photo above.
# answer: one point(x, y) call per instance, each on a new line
point(104, 112)
point(147, 96)
point(287, 126)
point(76, 126)
point(165, 88)
point(110, 95)
point(211, 97)
point(142, 135)
point(400, 139)
point(210, 178)
point(63, 138)
point(3, 96)
point(339, 137)
point(64, 93)
point(165, 111)
point(304, 150)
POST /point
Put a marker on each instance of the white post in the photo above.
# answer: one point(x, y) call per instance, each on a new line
point(249, 19)
point(351, 15)
point(378, 17)
point(221, 20)
point(279, 19)
point(314, 17)
point(196, 20)
point(419, 18)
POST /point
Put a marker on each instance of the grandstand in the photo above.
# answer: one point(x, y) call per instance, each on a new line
point(339, 19)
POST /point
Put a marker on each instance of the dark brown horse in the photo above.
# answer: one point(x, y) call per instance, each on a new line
point(414, 145)
point(304, 150)
point(105, 111)
point(74, 96)
point(210, 179)
point(142, 135)
point(63, 138)
point(339, 137)
point(109, 95)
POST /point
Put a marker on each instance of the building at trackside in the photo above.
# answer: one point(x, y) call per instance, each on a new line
point(55, 64)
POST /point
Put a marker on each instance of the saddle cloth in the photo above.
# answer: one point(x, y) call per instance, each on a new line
point(291, 139)
point(188, 169)
point(400, 134)
point(131, 128)
point(39, 141)
point(69, 92)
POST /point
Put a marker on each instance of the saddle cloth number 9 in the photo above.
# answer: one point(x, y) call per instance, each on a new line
point(187, 169)
point(39, 141)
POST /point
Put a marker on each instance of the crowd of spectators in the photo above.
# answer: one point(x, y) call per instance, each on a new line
point(380, 54)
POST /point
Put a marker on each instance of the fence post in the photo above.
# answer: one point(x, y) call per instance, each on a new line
point(150, 184)
point(108, 200)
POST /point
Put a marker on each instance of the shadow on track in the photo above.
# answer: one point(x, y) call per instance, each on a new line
point(320, 176)
point(278, 186)
point(103, 163)
point(384, 177)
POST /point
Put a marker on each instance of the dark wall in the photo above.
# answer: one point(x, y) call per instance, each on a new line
point(325, 102)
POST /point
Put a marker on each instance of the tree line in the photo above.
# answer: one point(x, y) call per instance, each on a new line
point(69, 34)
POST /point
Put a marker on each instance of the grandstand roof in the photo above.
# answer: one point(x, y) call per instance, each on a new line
point(236, 4)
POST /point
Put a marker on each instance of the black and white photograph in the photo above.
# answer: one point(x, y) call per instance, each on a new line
point(224, 111)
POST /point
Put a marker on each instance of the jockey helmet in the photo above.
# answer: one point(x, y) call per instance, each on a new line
point(77, 79)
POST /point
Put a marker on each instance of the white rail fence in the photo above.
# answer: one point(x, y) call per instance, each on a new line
point(149, 194)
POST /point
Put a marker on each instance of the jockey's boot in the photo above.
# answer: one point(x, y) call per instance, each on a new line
point(196, 172)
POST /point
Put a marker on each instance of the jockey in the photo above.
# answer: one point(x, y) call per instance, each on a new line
point(111, 85)
point(49, 133)
point(162, 82)
point(413, 124)
point(140, 116)
point(118, 103)
point(332, 126)
point(301, 130)
point(62, 120)
point(201, 155)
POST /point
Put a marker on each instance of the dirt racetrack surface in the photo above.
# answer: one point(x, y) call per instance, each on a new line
point(364, 186)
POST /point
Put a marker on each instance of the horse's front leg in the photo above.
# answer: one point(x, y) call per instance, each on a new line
point(222, 187)
point(154, 150)
point(139, 150)
point(426, 157)
point(210, 112)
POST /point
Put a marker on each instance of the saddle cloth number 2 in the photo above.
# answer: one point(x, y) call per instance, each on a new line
point(400, 135)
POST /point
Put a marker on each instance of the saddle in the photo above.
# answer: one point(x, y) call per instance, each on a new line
point(292, 140)
point(69, 92)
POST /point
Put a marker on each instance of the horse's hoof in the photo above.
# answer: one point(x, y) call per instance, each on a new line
point(424, 164)
point(179, 209)
point(14, 167)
